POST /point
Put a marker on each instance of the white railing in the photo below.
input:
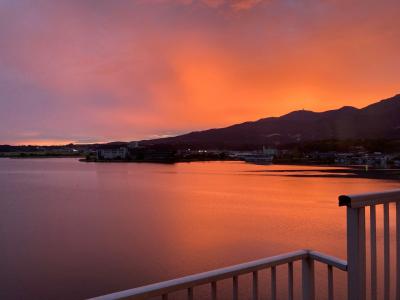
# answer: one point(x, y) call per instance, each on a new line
point(356, 243)
point(355, 267)
point(188, 283)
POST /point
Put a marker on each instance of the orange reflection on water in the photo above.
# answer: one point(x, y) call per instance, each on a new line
point(135, 224)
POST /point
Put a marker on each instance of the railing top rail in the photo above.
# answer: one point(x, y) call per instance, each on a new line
point(169, 286)
point(362, 200)
point(329, 260)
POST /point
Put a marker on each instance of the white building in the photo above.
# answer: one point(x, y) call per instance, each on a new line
point(112, 153)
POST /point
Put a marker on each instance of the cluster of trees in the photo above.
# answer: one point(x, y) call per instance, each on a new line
point(370, 145)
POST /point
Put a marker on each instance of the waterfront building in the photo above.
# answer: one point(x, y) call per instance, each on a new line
point(119, 153)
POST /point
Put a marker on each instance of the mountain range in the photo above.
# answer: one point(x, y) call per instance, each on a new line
point(380, 120)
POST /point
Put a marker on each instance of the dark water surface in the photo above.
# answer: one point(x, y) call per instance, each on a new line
point(72, 230)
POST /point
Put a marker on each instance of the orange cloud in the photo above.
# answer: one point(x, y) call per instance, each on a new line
point(235, 5)
point(244, 4)
point(214, 3)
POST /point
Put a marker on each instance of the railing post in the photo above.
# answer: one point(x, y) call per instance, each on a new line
point(308, 280)
point(356, 253)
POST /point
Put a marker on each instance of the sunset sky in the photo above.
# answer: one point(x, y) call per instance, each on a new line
point(101, 70)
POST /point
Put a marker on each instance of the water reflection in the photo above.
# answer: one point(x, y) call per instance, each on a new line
point(71, 230)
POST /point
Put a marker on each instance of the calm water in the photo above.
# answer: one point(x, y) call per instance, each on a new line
point(71, 230)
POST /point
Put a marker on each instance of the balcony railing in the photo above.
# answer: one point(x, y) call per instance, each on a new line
point(356, 243)
point(355, 267)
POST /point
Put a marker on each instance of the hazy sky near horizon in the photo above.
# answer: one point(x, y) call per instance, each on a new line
point(98, 70)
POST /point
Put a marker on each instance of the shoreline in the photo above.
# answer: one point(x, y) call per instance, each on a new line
point(338, 172)
point(331, 171)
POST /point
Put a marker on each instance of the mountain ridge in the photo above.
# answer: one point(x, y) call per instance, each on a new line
point(379, 120)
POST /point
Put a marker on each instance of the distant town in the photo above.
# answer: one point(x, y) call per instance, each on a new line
point(135, 152)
